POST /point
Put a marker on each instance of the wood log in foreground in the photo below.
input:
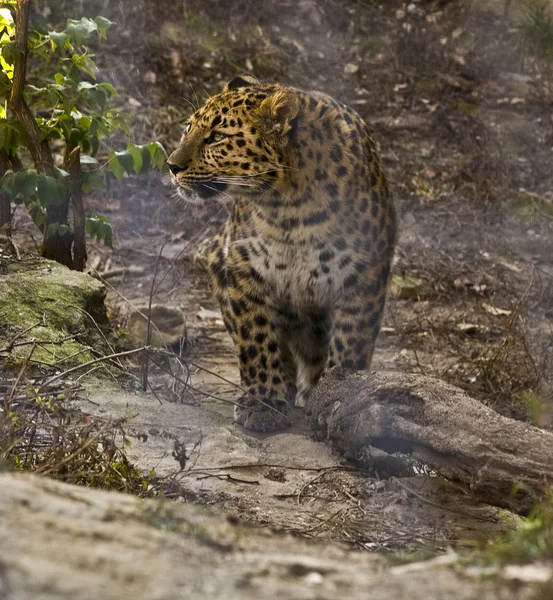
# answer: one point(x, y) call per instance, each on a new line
point(504, 462)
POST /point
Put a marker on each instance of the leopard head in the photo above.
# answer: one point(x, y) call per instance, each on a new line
point(237, 143)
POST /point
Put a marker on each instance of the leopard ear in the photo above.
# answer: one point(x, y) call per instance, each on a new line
point(279, 110)
point(241, 81)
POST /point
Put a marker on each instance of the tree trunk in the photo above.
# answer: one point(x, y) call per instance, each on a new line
point(5, 204)
point(72, 164)
point(56, 247)
point(502, 461)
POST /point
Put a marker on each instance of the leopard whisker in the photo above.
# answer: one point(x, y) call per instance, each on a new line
point(233, 182)
point(220, 193)
point(195, 96)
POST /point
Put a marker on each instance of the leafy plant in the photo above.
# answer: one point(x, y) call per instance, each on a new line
point(538, 27)
point(532, 539)
point(71, 108)
point(45, 435)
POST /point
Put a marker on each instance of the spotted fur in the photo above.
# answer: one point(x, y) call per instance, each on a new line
point(301, 267)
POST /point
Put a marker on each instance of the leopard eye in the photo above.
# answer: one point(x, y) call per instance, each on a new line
point(215, 137)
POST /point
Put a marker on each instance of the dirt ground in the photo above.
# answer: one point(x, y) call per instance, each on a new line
point(461, 109)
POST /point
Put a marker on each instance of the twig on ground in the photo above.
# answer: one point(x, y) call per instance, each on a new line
point(22, 370)
point(226, 477)
point(90, 363)
point(11, 345)
point(149, 325)
point(320, 524)
point(437, 505)
point(112, 273)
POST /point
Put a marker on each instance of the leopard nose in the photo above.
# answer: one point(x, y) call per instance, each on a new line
point(175, 168)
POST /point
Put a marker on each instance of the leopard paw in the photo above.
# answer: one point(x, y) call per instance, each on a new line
point(259, 417)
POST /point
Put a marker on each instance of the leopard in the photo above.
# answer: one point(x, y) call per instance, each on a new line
point(301, 266)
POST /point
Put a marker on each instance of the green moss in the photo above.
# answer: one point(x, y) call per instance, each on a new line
point(466, 107)
point(426, 84)
point(527, 208)
point(63, 311)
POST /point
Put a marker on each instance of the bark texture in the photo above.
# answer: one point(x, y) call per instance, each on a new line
point(504, 462)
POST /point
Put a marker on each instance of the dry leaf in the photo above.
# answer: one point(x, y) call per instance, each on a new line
point(493, 310)
point(407, 287)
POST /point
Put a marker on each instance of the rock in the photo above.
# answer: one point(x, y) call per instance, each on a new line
point(66, 542)
point(53, 303)
point(167, 328)
point(351, 69)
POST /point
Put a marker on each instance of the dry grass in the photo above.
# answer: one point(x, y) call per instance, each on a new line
point(42, 432)
point(474, 335)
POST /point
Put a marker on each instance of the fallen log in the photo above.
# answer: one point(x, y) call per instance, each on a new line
point(503, 462)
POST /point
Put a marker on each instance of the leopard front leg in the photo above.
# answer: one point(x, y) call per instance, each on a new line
point(267, 371)
point(265, 364)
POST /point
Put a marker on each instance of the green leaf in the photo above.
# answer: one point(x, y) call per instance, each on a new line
point(65, 126)
point(12, 135)
point(85, 85)
point(134, 151)
point(86, 145)
point(94, 144)
point(61, 172)
point(91, 224)
point(52, 96)
point(8, 183)
point(5, 84)
point(37, 212)
point(59, 78)
point(84, 63)
point(4, 136)
point(32, 89)
point(100, 98)
point(75, 136)
point(110, 89)
point(146, 159)
point(108, 236)
point(58, 39)
point(100, 124)
point(26, 183)
point(92, 181)
point(114, 164)
point(55, 133)
point(10, 52)
point(6, 17)
point(159, 156)
point(79, 31)
point(103, 25)
point(88, 160)
point(69, 105)
point(52, 229)
point(49, 191)
point(100, 227)
point(120, 162)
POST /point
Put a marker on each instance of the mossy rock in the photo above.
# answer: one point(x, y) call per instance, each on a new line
point(66, 303)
